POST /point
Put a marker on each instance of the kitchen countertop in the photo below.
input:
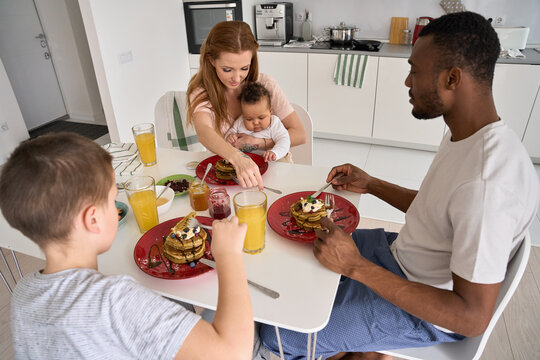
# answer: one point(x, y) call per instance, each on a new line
point(532, 57)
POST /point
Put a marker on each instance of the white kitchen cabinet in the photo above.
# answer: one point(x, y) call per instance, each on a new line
point(514, 92)
point(531, 140)
point(340, 110)
point(393, 118)
point(290, 72)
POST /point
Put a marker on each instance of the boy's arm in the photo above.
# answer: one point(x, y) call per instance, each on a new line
point(230, 336)
point(280, 136)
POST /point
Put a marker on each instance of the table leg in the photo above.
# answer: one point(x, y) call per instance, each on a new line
point(7, 265)
point(308, 356)
point(282, 357)
point(16, 263)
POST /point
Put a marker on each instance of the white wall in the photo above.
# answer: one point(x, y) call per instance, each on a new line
point(374, 17)
point(62, 22)
point(155, 35)
point(10, 114)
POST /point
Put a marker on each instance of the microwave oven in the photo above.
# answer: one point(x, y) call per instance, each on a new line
point(202, 15)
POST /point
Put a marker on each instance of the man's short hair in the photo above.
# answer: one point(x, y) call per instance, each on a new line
point(253, 92)
point(466, 40)
point(48, 180)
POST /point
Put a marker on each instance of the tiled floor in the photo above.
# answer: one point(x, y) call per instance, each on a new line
point(404, 167)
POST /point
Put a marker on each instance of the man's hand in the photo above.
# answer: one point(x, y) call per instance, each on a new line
point(353, 179)
point(336, 249)
point(269, 156)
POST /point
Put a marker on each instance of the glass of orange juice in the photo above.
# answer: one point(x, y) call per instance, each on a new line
point(250, 208)
point(141, 192)
point(146, 142)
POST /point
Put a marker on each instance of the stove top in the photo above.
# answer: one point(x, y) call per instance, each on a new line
point(354, 45)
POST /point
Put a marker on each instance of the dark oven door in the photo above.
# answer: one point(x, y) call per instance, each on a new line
point(201, 16)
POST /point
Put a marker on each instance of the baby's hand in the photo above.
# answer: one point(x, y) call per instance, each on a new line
point(231, 138)
point(227, 238)
point(269, 156)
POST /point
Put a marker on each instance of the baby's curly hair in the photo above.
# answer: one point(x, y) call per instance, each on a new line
point(253, 93)
point(466, 40)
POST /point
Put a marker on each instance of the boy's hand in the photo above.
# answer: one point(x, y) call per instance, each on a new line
point(227, 238)
point(231, 139)
point(269, 156)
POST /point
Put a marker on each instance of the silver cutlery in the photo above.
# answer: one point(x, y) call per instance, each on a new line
point(273, 294)
point(318, 192)
point(329, 204)
point(194, 222)
point(266, 187)
point(206, 172)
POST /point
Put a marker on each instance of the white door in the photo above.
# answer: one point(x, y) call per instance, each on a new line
point(24, 52)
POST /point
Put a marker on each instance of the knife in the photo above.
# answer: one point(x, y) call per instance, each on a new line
point(266, 187)
point(318, 192)
point(273, 294)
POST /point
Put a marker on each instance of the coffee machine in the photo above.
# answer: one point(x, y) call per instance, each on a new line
point(274, 23)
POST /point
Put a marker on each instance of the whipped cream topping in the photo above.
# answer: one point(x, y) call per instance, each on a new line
point(187, 233)
point(311, 206)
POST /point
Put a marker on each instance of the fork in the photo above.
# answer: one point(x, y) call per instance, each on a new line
point(329, 204)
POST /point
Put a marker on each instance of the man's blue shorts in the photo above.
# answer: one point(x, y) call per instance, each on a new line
point(361, 320)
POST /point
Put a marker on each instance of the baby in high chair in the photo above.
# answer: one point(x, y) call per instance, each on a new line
point(257, 120)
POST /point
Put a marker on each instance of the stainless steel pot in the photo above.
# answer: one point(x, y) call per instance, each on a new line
point(342, 34)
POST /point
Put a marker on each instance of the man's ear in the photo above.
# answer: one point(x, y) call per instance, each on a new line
point(90, 218)
point(453, 80)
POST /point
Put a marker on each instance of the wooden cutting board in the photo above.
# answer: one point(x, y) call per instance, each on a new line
point(398, 24)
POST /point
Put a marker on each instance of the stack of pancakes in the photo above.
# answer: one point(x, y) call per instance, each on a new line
point(185, 244)
point(224, 170)
point(309, 220)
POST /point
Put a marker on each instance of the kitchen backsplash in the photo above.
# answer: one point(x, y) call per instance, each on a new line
point(373, 16)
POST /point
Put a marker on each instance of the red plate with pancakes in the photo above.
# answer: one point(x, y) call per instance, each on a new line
point(345, 216)
point(155, 236)
point(211, 178)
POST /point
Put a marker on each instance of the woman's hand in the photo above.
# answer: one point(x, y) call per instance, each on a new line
point(352, 179)
point(247, 171)
point(245, 141)
point(228, 238)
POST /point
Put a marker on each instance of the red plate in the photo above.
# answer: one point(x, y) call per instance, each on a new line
point(280, 220)
point(211, 178)
point(155, 236)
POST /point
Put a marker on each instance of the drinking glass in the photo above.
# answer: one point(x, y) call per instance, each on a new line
point(146, 142)
point(141, 192)
point(250, 208)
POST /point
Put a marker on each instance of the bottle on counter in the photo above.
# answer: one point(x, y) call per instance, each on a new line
point(406, 37)
point(307, 27)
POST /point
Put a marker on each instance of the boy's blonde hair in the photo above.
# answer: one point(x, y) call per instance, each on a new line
point(47, 180)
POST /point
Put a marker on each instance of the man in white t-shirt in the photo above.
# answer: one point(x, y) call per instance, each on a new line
point(438, 280)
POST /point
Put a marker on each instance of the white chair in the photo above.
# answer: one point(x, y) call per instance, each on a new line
point(170, 122)
point(472, 348)
point(303, 154)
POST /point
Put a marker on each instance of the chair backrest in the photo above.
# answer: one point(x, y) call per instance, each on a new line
point(472, 348)
point(303, 154)
point(170, 122)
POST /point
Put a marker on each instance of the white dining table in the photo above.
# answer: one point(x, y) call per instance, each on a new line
point(306, 288)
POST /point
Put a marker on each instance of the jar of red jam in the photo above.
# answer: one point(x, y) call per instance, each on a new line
point(219, 203)
point(198, 195)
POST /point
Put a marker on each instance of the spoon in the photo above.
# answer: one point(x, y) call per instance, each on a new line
point(206, 172)
point(163, 191)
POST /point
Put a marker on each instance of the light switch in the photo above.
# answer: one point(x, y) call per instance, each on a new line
point(4, 127)
point(125, 57)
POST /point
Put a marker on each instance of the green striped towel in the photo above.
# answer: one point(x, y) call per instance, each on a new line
point(179, 135)
point(125, 161)
point(350, 70)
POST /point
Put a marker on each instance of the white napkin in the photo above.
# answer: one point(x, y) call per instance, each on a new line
point(125, 160)
point(511, 54)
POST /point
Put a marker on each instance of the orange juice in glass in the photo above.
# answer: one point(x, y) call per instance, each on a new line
point(146, 142)
point(141, 192)
point(250, 208)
